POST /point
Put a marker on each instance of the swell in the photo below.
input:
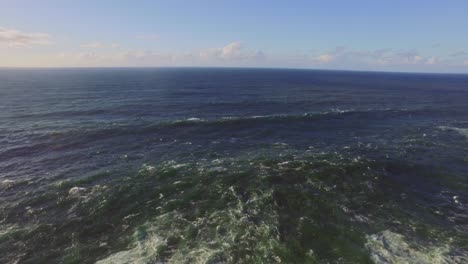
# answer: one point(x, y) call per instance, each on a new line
point(77, 137)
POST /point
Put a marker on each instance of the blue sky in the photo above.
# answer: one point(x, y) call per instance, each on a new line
point(427, 36)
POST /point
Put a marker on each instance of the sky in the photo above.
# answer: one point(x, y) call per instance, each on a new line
point(377, 35)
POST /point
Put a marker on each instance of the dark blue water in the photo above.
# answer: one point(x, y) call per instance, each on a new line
point(232, 166)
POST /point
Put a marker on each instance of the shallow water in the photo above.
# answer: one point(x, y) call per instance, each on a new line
point(232, 166)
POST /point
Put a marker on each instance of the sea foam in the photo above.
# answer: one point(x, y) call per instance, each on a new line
point(390, 247)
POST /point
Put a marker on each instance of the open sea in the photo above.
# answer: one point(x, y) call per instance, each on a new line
point(201, 165)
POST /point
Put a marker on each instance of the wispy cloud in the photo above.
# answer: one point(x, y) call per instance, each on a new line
point(148, 36)
point(431, 61)
point(234, 51)
point(324, 58)
point(95, 45)
point(459, 54)
point(15, 38)
point(389, 57)
point(406, 57)
point(99, 45)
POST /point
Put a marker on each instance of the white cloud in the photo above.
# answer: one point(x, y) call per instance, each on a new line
point(338, 53)
point(324, 58)
point(431, 61)
point(15, 38)
point(232, 52)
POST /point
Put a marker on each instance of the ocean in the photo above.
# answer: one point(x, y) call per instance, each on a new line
point(232, 165)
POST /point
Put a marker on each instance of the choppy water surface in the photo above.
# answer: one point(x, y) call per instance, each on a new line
point(232, 166)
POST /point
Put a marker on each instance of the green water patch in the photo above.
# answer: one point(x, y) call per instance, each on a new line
point(280, 206)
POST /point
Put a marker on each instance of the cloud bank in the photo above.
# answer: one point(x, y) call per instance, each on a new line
point(237, 54)
point(99, 54)
point(382, 59)
point(234, 54)
point(98, 45)
point(15, 38)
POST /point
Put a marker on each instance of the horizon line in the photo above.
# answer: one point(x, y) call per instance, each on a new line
point(229, 67)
